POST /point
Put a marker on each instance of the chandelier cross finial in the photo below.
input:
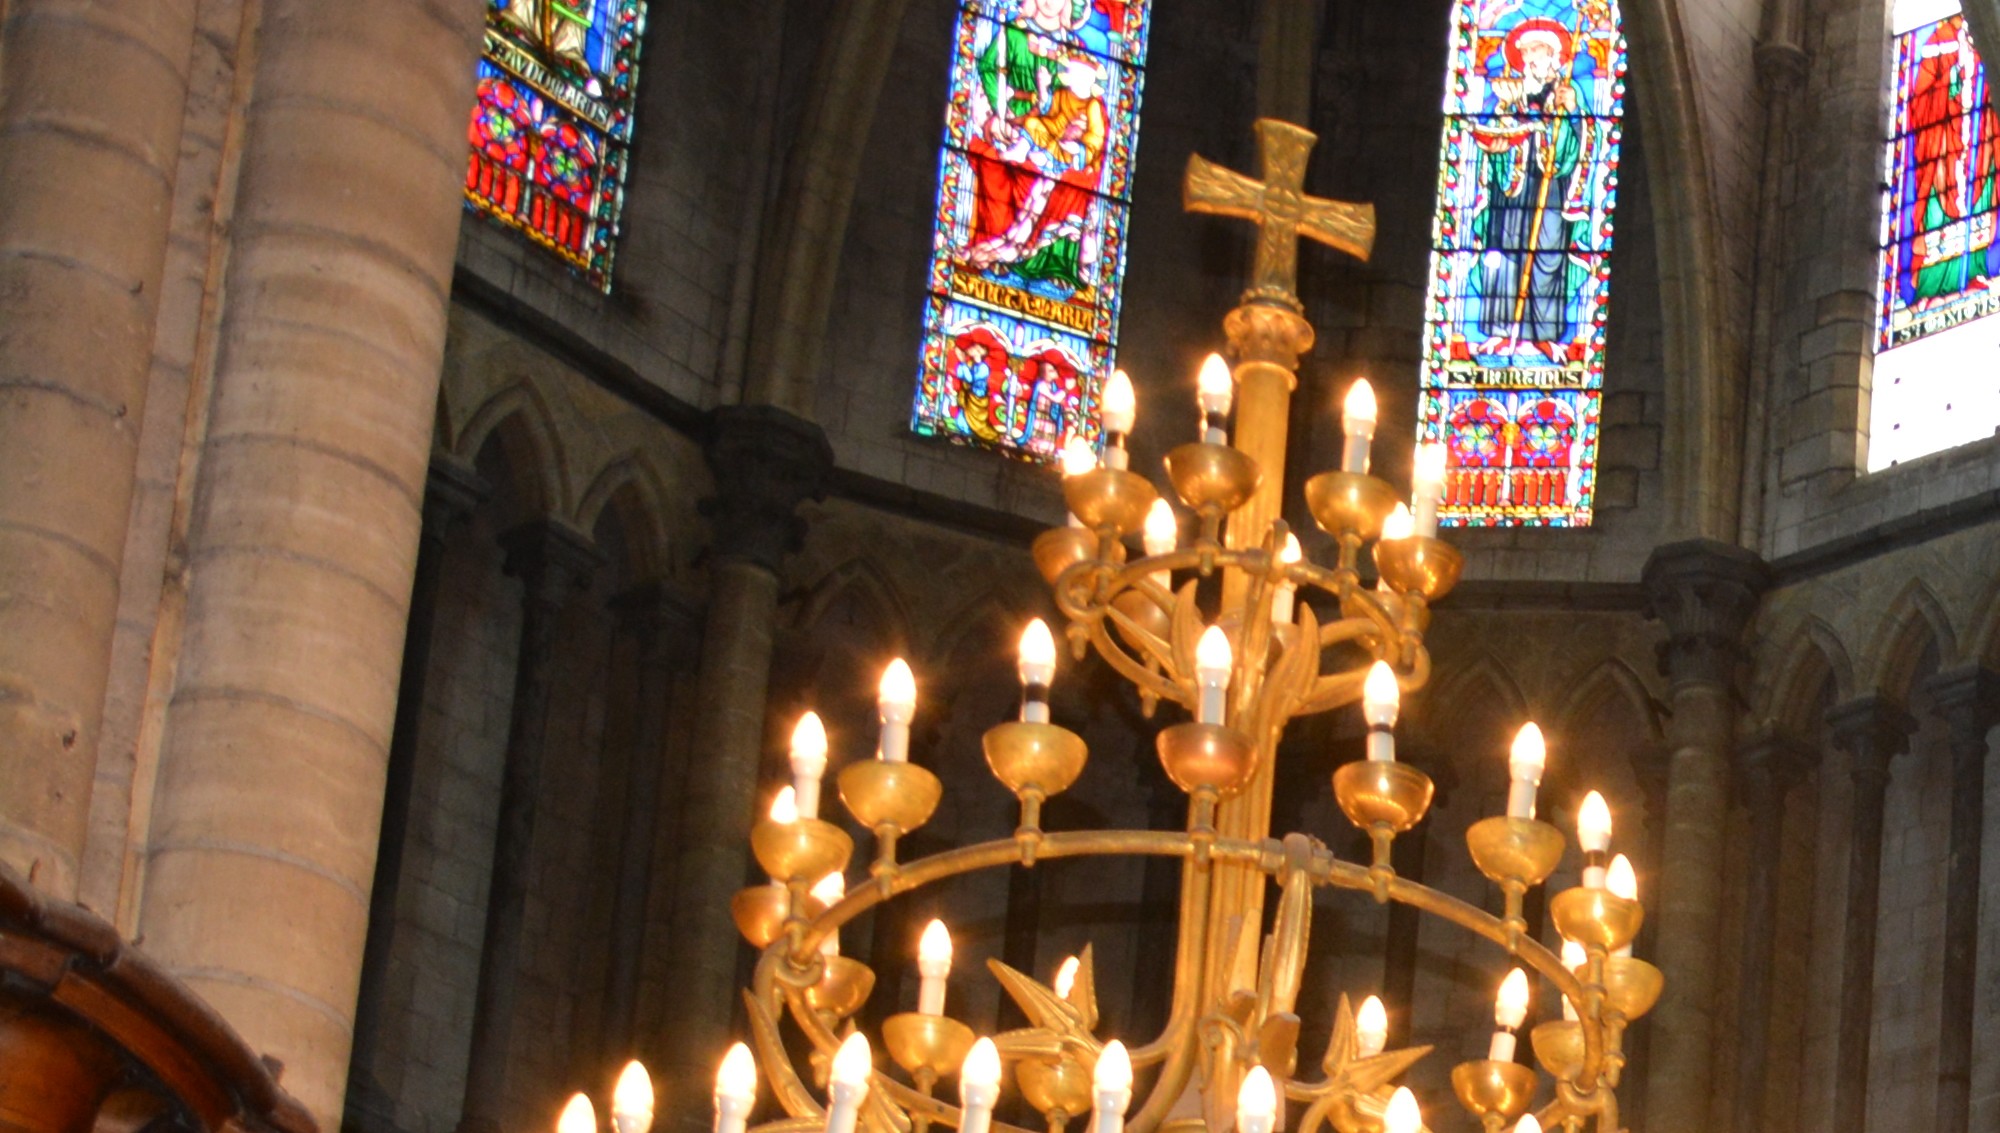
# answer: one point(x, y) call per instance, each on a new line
point(1280, 208)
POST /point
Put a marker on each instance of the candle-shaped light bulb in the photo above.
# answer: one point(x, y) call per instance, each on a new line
point(1403, 1114)
point(831, 890)
point(632, 1100)
point(1285, 593)
point(1510, 1010)
point(1066, 977)
point(785, 808)
point(1528, 1124)
point(1357, 421)
point(1574, 958)
point(1038, 669)
point(579, 1116)
point(1078, 457)
point(1213, 659)
point(847, 1083)
point(979, 1086)
point(1621, 881)
point(1524, 769)
point(1400, 524)
point(735, 1090)
point(896, 706)
point(1427, 486)
point(1111, 1088)
point(1381, 703)
point(1162, 532)
point(808, 762)
point(1593, 833)
point(1216, 390)
point(1256, 1102)
point(1120, 412)
point(1371, 1028)
point(934, 965)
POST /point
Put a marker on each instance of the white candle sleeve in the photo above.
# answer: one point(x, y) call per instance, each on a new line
point(807, 789)
point(1521, 798)
point(844, 1106)
point(1354, 452)
point(1381, 743)
point(732, 1115)
point(1502, 1049)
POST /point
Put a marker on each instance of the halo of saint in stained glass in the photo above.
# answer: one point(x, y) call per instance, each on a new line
point(1513, 366)
point(1937, 362)
point(552, 123)
point(1034, 189)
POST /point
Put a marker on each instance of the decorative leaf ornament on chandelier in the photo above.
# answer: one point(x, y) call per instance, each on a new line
point(1244, 659)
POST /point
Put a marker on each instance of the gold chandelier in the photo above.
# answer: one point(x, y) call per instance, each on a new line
point(1228, 1053)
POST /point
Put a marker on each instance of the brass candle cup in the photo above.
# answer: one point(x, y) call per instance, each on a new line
point(1631, 987)
point(760, 912)
point(1206, 757)
point(880, 793)
point(1110, 497)
point(1061, 1087)
point(933, 1044)
point(807, 850)
point(1494, 1089)
point(1382, 793)
point(1350, 503)
point(1213, 479)
point(1429, 567)
point(843, 988)
point(1038, 760)
point(1059, 548)
point(1515, 850)
point(1596, 917)
point(1559, 1047)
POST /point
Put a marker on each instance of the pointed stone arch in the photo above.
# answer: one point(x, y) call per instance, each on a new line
point(1814, 660)
point(858, 579)
point(518, 418)
point(1915, 622)
point(1610, 681)
point(631, 487)
point(1483, 673)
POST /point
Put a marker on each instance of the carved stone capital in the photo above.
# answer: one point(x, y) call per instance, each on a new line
point(1705, 592)
point(1780, 66)
point(551, 558)
point(1971, 693)
point(451, 490)
point(1768, 766)
point(1874, 730)
point(766, 462)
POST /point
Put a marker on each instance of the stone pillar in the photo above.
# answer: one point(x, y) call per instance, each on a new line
point(1871, 730)
point(553, 562)
point(765, 462)
point(1705, 592)
point(303, 539)
point(91, 101)
point(1969, 700)
point(668, 634)
point(1767, 767)
point(450, 494)
point(1288, 45)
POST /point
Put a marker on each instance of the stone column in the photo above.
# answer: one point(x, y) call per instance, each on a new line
point(766, 462)
point(1872, 731)
point(91, 101)
point(668, 634)
point(1705, 593)
point(450, 494)
point(553, 562)
point(1288, 44)
point(303, 538)
point(1969, 700)
point(1767, 767)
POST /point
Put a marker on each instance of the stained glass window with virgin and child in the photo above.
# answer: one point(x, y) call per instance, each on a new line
point(552, 123)
point(1937, 360)
point(1513, 362)
point(1028, 251)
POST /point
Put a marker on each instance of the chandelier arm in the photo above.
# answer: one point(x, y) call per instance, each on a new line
point(1180, 1043)
point(1149, 680)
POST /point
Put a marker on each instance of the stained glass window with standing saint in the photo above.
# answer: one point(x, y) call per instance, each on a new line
point(552, 124)
point(1513, 360)
point(1028, 252)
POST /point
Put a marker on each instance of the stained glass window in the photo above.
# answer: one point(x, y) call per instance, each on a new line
point(1937, 361)
point(552, 123)
point(1034, 194)
point(1513, 369)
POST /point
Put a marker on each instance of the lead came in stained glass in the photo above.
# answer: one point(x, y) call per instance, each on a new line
point(1513, 368)
point(1034, 192)
point(552, 122)
point(1937, 363)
